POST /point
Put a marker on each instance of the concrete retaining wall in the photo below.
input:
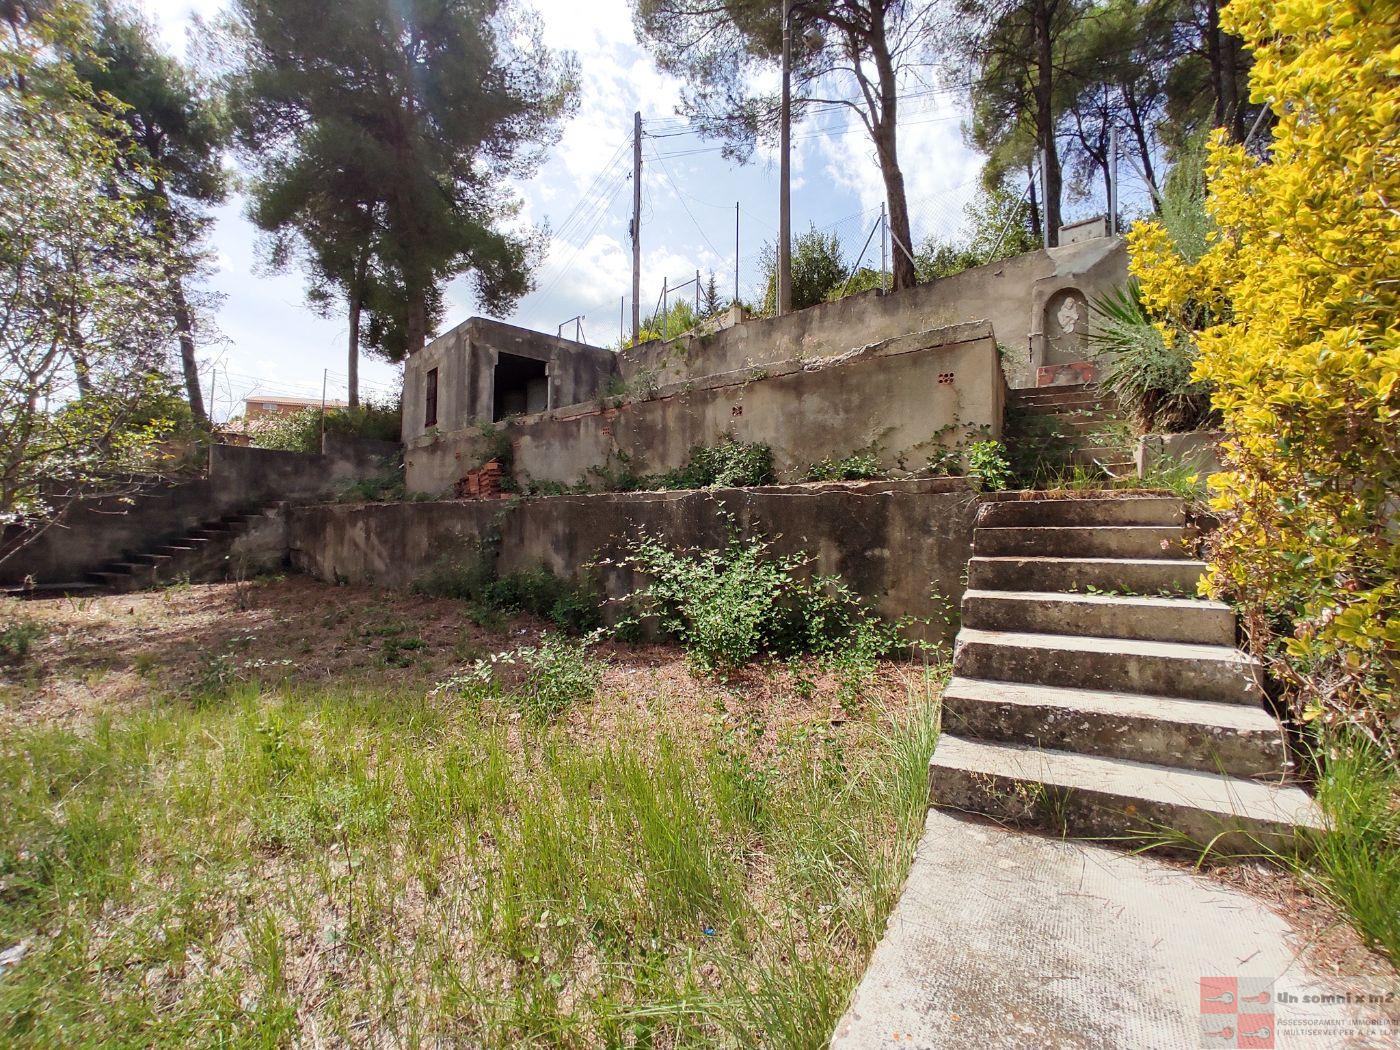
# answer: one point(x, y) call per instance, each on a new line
point(902, 545)
point(239, 479)
point(904, 398)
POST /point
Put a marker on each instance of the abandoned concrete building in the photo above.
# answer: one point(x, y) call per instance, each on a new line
point(899, 376)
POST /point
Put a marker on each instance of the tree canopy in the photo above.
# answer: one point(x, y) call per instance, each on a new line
point(385, 130)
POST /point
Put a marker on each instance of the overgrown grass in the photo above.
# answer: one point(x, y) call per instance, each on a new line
point(1357, 863)
point(388, 868)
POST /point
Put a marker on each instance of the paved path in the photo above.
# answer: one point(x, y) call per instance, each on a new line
point(1008, 939)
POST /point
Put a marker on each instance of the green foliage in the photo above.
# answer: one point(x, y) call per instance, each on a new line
point(1148, 374)
point(858, 466)
point(728, 606)
point(88, 315)
point(998, 223)
point(1357, 861)
point(680, 319)
point(728, 464)
point(818, 271)
point(383, 135)
point(544, 681)
point(574, 607)
point(301, 431)
point(17, 636)
point(987, 462)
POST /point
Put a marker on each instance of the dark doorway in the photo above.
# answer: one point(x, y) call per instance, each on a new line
point(521, 386)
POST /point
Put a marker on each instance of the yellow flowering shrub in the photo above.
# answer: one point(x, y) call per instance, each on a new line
point(1301, 288)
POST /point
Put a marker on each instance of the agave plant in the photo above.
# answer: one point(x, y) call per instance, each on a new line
point(1148, 373)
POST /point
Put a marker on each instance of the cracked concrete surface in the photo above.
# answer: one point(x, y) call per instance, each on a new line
point(1004, 938)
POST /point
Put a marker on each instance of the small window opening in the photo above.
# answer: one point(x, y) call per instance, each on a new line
point(521, 385)
point(430, 398)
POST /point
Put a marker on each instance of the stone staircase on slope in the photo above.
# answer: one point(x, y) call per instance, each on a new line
point(1069, 425)
point(198, 553)
point(1092, 696)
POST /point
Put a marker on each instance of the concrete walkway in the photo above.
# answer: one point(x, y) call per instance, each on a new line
point(1009, 939)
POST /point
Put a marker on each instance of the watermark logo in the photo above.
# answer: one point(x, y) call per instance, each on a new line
point(1237, 1011)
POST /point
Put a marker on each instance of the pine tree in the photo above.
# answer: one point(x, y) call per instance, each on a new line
point(412, 114)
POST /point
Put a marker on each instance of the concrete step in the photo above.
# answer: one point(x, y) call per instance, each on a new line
point(1037, 393)
point(174, 550)
point(1125, 575)
point(1101, 615)
point(1207, 672)
point(1087, 541)
point(1239, 739)
point(1101, 454)
point(1098, 797)
point(1125, 510)
point(154, 559)
point(1089, 412)
point(119, 582)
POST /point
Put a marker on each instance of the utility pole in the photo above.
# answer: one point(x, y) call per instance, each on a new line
point(621, 320)
point(636, 227)
point(785, 173)
point(1112, 181)
point(697, 295)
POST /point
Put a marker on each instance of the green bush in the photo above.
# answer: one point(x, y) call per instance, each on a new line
point(987, 462)
point(729, 464)
point(572, 607)
point(17, 637)
point(301, 431)
point(728, 606)
point(543, 680)
point(859, 466)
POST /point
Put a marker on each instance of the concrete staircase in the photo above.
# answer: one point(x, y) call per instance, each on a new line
point(1067, 426)
point(199, 553)
point(1094, 696)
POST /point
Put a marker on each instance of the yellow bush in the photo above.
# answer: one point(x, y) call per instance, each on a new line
point(1301, 283)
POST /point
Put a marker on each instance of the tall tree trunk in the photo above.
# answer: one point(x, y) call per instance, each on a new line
point(416, 317)
point(887, 150)
point(1045, 119)
point(1144, 150)
point(356, 297)
point(1036, 228)
point(184, 331)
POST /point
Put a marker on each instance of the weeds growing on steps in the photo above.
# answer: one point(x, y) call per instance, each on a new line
point(387, 868)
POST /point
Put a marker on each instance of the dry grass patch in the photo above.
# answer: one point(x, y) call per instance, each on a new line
point(330, 852)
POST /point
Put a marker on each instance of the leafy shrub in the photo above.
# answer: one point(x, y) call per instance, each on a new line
point(573, 607)
point(543, 680)
point(987, 462)
point(729, 464)
point(1293, 301)
point(17, 637)
point(859, 466)
point(730, 605)
point(301, 431)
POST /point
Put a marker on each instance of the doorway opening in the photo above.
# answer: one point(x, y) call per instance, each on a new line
point(521, 386)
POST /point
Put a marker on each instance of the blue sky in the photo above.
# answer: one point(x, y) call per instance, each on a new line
point(272, 343)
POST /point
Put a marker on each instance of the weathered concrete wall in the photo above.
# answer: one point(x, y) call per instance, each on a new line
point(1198, 449)
point(902, 545)
point(904, 399)
point(239, 479)
point(1036, 303)
point(466, 361)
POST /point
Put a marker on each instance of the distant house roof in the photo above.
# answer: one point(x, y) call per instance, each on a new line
point(296, 402)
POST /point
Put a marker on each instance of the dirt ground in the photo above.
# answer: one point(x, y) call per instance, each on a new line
point(115, 653)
